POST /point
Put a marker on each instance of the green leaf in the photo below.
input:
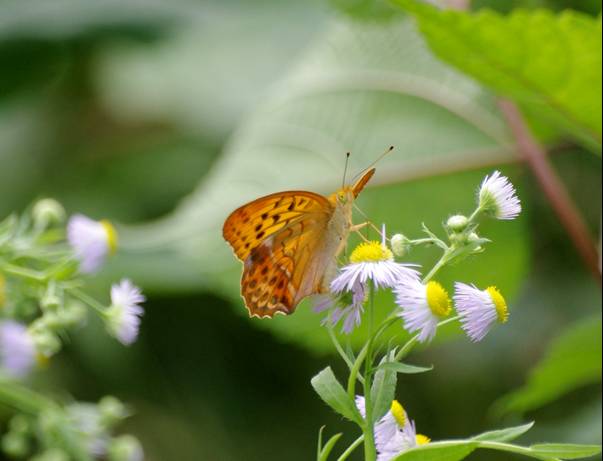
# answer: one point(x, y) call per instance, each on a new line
point(333, 394)
point(439, 451)
point(550, 63)
point(565, 450)
point(504, 435)
point(383, 389)
point(573, 361)
point(455, 450)
point(326, 451)
point(404, 368)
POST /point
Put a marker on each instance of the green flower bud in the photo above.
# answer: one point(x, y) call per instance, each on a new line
point(15, 445)
point(111, 410)
point(48, 211)
point(72, 314)
point(473, 238)
point(46, 341)
point(457, 223)
point(53, 454)
point(125, 448)
point(400, 245)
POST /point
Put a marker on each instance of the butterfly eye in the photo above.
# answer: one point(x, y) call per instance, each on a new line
point(341, 197)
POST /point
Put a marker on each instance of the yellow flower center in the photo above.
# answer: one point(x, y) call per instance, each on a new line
point(398, 413)
point(111, 235)
point(438, 299)
point(422, 439)
point(371, 252)
point(502, 311)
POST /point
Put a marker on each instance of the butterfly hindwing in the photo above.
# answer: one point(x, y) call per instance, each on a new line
point(276, 236)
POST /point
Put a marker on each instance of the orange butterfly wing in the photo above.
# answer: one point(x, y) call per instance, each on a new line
point(276, 237)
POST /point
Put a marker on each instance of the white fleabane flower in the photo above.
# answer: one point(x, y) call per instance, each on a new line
point(348, 305)
point(394, 433)
point(123, 316)
point(17, 349)
point(479, 309)
point(91, 241)
point(422, 306)
point(497, 196)
point(372, 261)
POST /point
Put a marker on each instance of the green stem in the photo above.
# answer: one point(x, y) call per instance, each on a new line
point(341, 352)
point(24, 272)
point(405, 350)
point(93, 303)
point(22, 399)
point(441, 263)
point(354, 372)
point(351, 448)
point(369, 436)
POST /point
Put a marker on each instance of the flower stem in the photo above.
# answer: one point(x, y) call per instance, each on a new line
point(405, 350)
point(341, 352)
point(24, 272)
point(441, 263)
point(22, 399)
point(90, 301)
point(351, 448)
point(369, 436)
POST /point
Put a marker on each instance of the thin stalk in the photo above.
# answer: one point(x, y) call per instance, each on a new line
point(351, 448)
point(405, 350)
point(22, 399)
point(86, 299)
point(369, 436)
point(24, 272)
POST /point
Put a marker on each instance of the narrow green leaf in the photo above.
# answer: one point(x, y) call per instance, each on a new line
point(439, 451)
point(565, 450)
point(319, 444)
point(573, 361)
point(504, 435)
point(333, 394)
point(326, 451)
point(404, 368)
point(550, 63)
point(383, 390)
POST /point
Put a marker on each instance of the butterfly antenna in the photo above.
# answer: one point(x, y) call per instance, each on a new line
point(378, 159)
point(345, 168)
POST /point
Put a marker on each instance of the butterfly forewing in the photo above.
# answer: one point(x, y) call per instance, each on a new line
point(276, 237)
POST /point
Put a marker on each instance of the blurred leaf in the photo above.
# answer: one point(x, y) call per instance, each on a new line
point(404, 368)
point(573, 361)
point(504, 435)
point(65, 18)
point(333, 394)
point(550, 63)
point(361, 88)
point(366, 10)
point(439, 451)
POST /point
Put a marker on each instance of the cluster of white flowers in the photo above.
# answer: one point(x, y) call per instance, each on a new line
point(422, 304)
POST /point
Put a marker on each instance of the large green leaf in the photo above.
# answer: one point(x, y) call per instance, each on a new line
point(551, 63)
point(573, 361)
point(360, 88)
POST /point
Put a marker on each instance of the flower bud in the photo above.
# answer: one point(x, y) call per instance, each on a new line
point(111, 410)
point(472, 238)
point(72, 314)
point(46, 342)
point(48, 211)
point(15, 445)
point(457, 223)
point(400, 245)
point(125, 448)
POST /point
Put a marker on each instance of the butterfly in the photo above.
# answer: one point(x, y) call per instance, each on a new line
point(289, 243)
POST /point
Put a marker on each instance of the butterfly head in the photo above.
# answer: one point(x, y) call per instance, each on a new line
point(348, 194)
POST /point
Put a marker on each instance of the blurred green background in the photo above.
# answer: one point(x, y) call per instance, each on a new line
point(165, 116)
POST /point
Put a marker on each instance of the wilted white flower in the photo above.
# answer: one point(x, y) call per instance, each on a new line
point(422, 306)
point(479, 309)
point(497, 196)
point(348, 305)
point(394, 433)
point(123, 316)
point(91, 240)
point(17, 350)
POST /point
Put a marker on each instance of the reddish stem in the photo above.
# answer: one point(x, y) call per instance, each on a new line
point(552, 186)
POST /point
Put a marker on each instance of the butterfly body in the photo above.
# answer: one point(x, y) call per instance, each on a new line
point(288, 243)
